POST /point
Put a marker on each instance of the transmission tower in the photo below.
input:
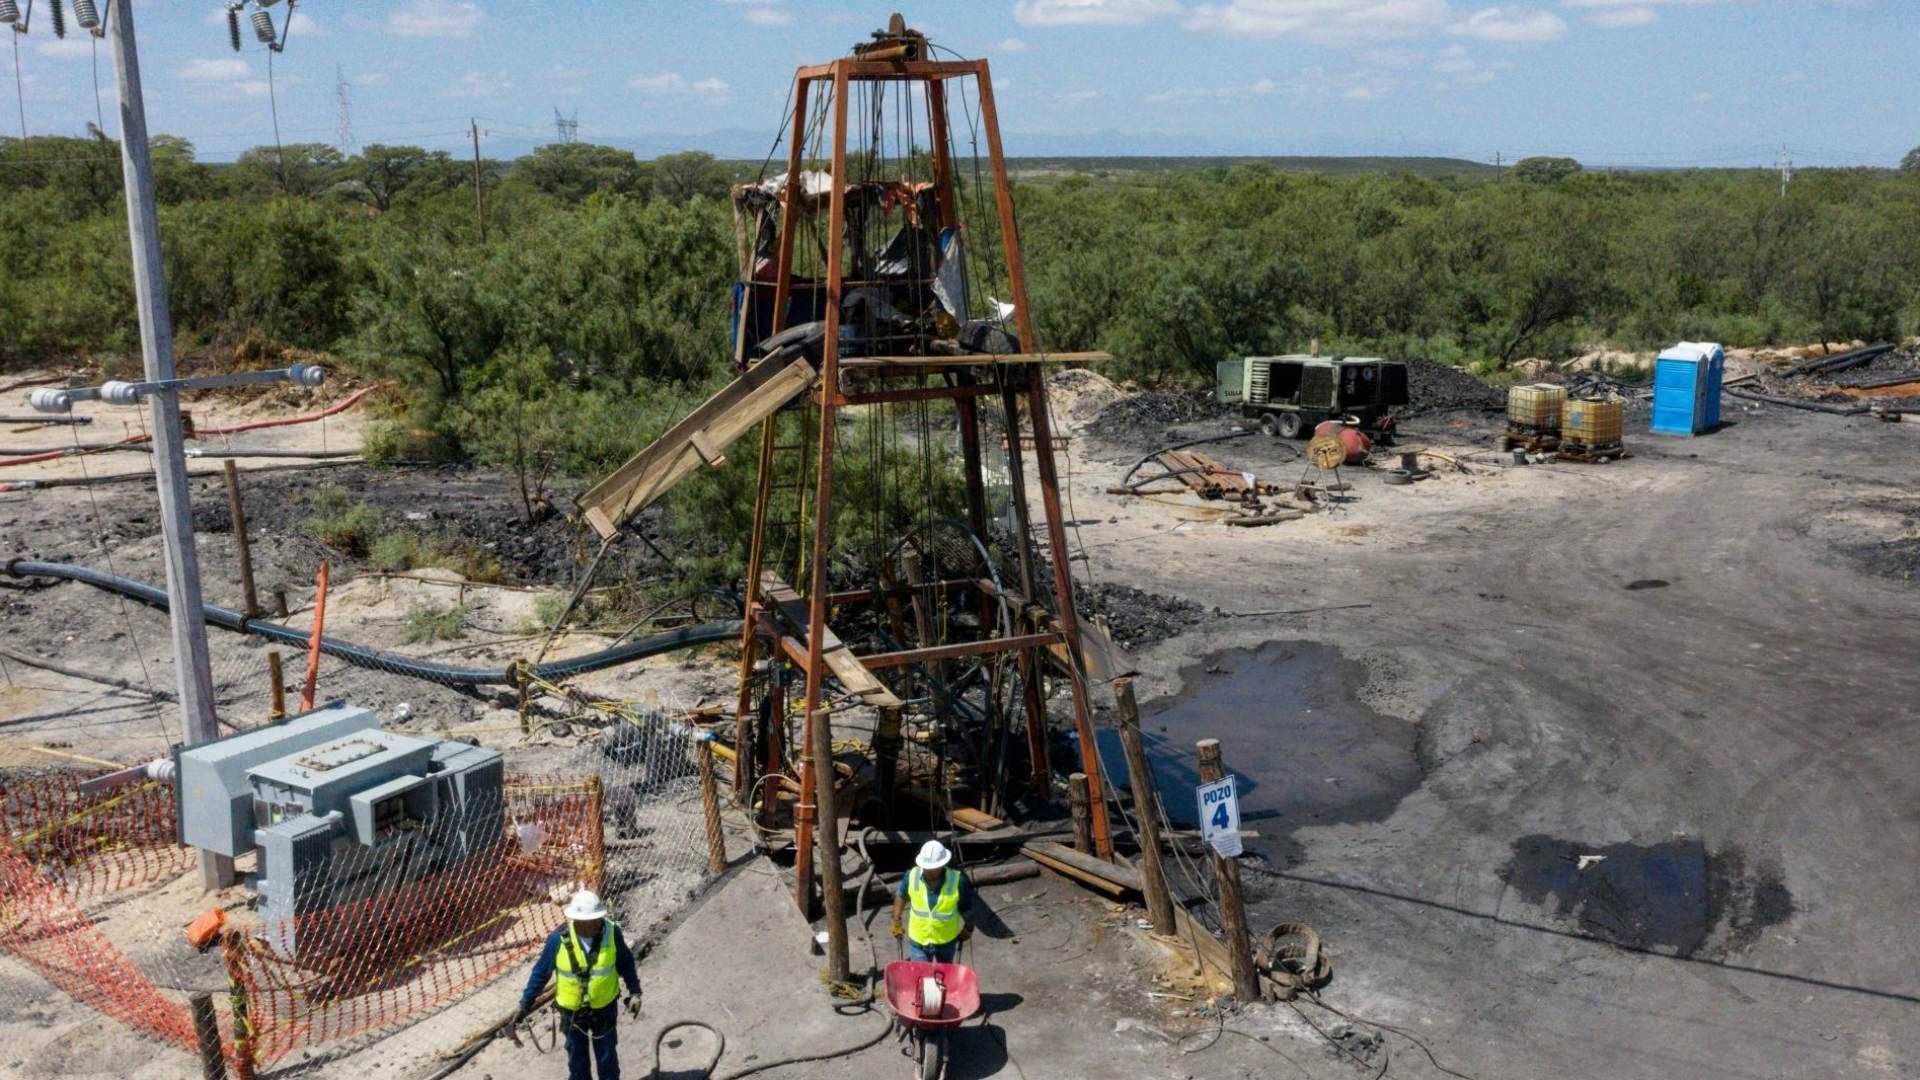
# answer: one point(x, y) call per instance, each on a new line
point(569, 126)
point(1785, 164)
point(344, 137)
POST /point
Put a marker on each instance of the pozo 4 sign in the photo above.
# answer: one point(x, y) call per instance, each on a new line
point(1220, 815)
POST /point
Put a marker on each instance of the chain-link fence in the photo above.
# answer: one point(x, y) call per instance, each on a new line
point(96, 895)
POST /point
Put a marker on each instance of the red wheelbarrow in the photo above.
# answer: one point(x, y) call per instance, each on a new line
point(931, 999)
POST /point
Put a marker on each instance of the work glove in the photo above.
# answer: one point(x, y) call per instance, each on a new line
point(633, 1006)
point(898, 930)
point(966, 932)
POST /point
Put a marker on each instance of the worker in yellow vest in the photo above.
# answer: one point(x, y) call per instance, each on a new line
point(938, 904)
point(590, 960)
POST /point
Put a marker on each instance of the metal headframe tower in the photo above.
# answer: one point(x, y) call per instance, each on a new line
point(792, 630)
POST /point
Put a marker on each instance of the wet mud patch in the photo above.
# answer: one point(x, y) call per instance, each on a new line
point(1675, 897)
point(1647, 583)
point(1293, 726)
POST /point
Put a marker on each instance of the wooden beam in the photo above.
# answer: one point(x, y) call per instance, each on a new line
point(882, 70)
point(709, 429)
point(794, 612)
point(867, 363)
point(949, 652)
point(921, 393)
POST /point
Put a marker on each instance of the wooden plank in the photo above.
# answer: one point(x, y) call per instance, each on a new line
point(853, 363)
point(839, 659)
point(718, 422)
point(950, 652)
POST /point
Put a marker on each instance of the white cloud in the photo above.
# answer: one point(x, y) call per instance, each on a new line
point(304, 26)
point(763, 12)
point(1081, 97)
point(227, 76)
point(673, 84)
point(225, 69)
point(1010, 45)
point(1188, 94)
point(67, 48)
point(1459, 65)
point(435, 19)
point(1624, 18)
point(475, 85)
point(1511, 26)
point(1090, 12)
point(565, 73)
point(372, 78)
point(1321, 21)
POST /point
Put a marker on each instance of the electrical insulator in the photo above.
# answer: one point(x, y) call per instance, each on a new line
point(9, 12)
point(263, 28)
point(86, 14)
point(233, 27)
point(59, 20)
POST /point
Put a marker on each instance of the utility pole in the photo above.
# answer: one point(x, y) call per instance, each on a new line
point(1785, 165)
point(344, 136)
point(479, 208)
point(192, 663)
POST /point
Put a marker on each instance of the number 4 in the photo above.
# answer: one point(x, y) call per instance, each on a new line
point(1219, 820)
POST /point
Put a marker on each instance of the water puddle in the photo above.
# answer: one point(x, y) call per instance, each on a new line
point(1668, 897)
point(1306, 749)
point(1647, 583)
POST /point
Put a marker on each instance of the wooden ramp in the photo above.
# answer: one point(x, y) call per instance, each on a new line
point(700, 438)
point(791, 607)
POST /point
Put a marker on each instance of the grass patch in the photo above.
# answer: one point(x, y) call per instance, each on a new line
point(342, 522)
point(426, 624)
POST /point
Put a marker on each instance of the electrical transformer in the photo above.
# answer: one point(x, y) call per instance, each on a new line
point(339, 809)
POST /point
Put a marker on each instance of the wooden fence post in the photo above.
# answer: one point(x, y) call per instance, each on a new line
point(206, 1032)
point(277, 687)
point(1146, 807)
point(238, 513)
point(234, 951)
point(710, 805)
point(826, 835)
point(1226, 872)
point(1082, 813)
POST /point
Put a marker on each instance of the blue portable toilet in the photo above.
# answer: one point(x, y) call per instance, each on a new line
point(1686, 388)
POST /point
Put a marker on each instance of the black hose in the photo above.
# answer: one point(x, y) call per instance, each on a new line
point(360, 656)
point(1791, 403)
point(712, 1062)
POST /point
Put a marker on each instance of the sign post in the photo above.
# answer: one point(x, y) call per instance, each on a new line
point(1220, 816)
point(1220, 824)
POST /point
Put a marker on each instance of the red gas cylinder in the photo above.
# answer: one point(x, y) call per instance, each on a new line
point(1352, 438)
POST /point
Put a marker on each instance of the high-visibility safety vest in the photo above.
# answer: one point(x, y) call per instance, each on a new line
point(933, 921)
point(598, 985)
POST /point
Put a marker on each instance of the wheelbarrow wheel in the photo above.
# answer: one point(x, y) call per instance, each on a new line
point(933, 1055)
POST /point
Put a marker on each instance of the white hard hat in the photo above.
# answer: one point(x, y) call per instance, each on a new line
point(586, 906)
point(933, 855)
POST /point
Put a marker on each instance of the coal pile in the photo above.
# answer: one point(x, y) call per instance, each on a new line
point(1135, 617)
point(1435, 387)
point(1147, 415)
point(1891, 378)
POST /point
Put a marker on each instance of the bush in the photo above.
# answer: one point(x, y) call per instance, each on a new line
point(343, 523)
point(426, 624)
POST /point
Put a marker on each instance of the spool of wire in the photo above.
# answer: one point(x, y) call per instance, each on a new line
point(263, 27)
point(86, 14)
point(233, 26)
point(59, 16)
point(9, 13)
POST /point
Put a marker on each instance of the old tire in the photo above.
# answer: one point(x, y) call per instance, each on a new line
point(933, 1056)
point(1291, 426)
point(1270, 425)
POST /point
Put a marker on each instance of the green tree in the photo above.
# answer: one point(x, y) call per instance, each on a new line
point(1911, 163)
point(684, 176)
point(302, 169)
point(572, 171)
point(384, 173)
point(1544, 170)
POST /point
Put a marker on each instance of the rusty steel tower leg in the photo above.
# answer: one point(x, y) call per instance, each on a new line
point(829, 396)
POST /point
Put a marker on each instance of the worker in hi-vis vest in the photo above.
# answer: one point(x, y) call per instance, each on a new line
point(938, 904)
point(589, 959)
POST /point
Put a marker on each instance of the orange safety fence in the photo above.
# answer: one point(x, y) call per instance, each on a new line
point(334, 973)
point(93, 845)
point(370, 964)
point(42, 927)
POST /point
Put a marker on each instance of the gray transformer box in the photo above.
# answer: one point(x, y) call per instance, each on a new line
point(340, 810)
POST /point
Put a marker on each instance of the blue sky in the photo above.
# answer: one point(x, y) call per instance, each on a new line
point(1622, 82)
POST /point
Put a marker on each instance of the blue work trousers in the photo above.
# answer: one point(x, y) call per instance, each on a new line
point(590, 1038)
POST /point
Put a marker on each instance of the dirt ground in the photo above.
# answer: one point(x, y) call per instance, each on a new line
point(1614, 777)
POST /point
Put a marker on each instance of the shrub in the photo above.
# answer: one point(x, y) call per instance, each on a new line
point(427, 624)
point(342, 522)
